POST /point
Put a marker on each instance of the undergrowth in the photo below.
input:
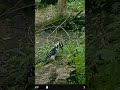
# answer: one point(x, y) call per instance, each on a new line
point(75, 5)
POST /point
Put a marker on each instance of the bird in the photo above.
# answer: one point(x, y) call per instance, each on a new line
point(54, 50)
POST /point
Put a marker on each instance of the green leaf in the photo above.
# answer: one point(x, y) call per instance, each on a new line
point(80, 49)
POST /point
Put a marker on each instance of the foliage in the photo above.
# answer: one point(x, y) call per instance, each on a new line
point(44, 3)
point(49, 2)
point(77, 24)
point(76, 58)
point(72, 5)
point(76, 5)
point(38, 5)
point(103, 54)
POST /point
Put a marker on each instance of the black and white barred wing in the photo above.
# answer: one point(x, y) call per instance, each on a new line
point(51, 54)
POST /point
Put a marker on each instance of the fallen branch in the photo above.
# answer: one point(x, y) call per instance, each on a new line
point(59, 26)
point(65, 32)
point(77, 15)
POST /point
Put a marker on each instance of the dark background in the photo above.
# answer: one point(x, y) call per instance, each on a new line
point(102, 44)
point(17, 44)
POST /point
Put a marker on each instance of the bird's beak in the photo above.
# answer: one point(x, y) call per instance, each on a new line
point(61, 46)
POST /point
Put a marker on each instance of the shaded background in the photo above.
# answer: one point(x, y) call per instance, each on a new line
point(16, 44)
point(102, 44)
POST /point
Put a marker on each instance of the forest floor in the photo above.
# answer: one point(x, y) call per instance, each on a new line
point(45, 14)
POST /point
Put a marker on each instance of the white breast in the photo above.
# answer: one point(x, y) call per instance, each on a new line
point(52, 57)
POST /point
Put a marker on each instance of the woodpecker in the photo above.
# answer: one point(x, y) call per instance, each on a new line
point(54, 50)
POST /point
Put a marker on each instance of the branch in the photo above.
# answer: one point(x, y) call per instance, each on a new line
point(77, 14)
point(29, 34)
point(12, 7)
point(59, 26)
point(65, 32)
point(16, 9)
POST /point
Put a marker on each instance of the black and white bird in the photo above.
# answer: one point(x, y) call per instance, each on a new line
point(54, 50)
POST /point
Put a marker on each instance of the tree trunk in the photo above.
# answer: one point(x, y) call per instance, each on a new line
point(61, 6)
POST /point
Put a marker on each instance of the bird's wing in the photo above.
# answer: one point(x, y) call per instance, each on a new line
point(52, 52)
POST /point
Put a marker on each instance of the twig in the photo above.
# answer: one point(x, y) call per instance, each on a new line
point(16, 9)
point(58, 27)
point(51, 34)
point(77, 14)
point(29, 33)
point(12, 7)
point(55, 35)
point(65, 32)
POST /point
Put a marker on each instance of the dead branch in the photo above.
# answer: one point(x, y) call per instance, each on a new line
point(65, 31)
point(59, 26)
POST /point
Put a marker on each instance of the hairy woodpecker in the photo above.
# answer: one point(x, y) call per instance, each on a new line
point(53, 51)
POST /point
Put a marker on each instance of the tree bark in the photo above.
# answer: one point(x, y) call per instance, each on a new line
point(61, 6)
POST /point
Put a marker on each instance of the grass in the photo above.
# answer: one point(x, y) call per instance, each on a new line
point(75, 52)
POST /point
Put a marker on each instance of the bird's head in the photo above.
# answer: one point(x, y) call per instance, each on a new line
point(59, 45)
